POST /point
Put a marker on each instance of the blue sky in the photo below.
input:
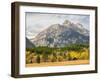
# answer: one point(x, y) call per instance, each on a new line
point(36, 22)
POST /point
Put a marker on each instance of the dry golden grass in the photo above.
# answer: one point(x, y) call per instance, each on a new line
point(65, 63)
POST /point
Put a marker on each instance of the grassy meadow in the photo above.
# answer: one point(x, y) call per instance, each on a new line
point(73, 52)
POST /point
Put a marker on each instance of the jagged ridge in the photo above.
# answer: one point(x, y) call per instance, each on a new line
point(60, 35)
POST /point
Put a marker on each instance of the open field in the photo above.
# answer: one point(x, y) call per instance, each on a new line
point(65, 63)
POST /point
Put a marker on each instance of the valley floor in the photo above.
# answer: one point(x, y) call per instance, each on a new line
point(65, 63)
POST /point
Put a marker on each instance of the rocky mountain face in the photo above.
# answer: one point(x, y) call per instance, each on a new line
point(60, 35)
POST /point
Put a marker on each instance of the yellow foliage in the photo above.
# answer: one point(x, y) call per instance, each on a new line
point(83, 55)
point(74, 54)
point(71, 55)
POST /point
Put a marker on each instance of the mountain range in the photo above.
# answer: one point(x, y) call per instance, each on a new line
point(60, 35)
